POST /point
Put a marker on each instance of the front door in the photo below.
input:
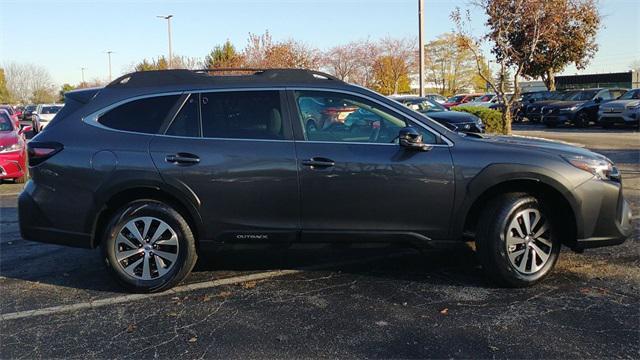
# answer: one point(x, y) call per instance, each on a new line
point(356, 179)
point(238, 161)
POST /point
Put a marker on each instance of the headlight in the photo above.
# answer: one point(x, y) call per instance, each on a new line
point(601, 168)
point(479, 121)
point(634, 106)
point(14, 147)
point(573, 108)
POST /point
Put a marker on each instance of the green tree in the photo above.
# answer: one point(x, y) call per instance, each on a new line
point(5, 95)
point(224, 56)
point(64, 89)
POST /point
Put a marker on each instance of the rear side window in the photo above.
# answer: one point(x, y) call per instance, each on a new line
point(143, 116)
point(186, 122)
point(242, 115)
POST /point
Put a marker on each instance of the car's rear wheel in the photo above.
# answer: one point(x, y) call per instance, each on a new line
point(148, 246)
point(517, 241)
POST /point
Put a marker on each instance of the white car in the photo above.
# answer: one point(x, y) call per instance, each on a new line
point(43, 114)
point(625, 110)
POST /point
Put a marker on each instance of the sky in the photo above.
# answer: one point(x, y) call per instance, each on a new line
point(65, 36)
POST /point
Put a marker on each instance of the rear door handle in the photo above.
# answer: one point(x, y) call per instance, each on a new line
point(318, 162)
point(182, 159)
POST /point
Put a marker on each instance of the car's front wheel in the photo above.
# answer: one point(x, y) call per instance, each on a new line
point(148, 246)
point(517, 241)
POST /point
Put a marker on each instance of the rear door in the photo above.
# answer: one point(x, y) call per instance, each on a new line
point(233, 151)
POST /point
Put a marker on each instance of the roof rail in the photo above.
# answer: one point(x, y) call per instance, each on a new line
point(201, 76)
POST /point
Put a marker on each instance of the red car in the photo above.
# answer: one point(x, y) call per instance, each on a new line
point(460, 99)
point(13, 150)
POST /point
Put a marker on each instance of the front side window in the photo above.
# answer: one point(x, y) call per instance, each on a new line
point(337, 117)
point(143, 115)
point(242, 115)
point(631, 95)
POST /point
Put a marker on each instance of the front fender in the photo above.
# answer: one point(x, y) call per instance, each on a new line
point(495, 175)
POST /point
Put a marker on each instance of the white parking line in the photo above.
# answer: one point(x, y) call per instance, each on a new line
point(182, 289)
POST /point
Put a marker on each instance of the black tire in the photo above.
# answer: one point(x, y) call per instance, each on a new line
point(551, 125)
point(491, 243)
point(607, 125)
point(582, 119)
point(186, 248)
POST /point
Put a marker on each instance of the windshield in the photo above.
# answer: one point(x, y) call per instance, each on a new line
point(423, 105)
point(630, 95)
point(5, 122)
point(581, 95)
point(457, 98)
point(50, 109)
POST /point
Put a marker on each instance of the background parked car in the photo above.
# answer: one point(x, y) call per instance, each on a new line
point(436, 97)
point(625, 110)
point(485, 100)
point(533, 111)
point(12, 114)
point(13, 153)
point(25, 119)
point(43, 114)
point(457, 120)
point(460, 99)
point(579, 108)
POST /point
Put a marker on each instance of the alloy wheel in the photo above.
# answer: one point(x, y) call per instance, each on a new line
point(528, 241)
point(146, 248)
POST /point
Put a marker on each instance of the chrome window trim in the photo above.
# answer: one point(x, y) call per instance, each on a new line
point(449, 143)
point(92, 119)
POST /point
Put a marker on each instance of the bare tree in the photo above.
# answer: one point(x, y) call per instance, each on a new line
point(26, 79)
point(449, 66)
point(343, 61)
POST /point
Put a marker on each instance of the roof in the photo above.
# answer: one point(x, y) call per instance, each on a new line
point(202, 77)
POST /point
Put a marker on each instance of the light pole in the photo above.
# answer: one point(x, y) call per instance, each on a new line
point(421, 43)
point(83, 69)
point(168, 18)
point(109, 52)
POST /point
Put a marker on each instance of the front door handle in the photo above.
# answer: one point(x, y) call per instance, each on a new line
point(182, 159)
point(318, 162)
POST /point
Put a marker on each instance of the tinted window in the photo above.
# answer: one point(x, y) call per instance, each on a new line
point(336, 117)
point(186, 121)
point(50, 109)
point(242, 115)
point(605, 95)
point(144, 115)
point(5, 122)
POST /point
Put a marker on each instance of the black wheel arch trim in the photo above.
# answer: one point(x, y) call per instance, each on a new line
point(184, 197)
point(496, 174)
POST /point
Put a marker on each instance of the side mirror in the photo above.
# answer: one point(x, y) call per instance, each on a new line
point(598, 99)
point(411, 139)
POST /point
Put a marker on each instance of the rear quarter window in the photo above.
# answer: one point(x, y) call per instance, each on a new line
point(142, 116)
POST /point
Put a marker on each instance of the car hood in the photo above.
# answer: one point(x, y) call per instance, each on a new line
point(8, 138)
point(550, 146)
point(453, 117)
point(619, 104)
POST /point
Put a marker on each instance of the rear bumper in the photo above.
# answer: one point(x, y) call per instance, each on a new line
point(606, 215)
point(35, 226)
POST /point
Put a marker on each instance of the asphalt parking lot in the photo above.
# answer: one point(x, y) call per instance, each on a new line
point(328, 301)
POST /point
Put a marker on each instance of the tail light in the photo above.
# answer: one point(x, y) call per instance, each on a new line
point(41, 151)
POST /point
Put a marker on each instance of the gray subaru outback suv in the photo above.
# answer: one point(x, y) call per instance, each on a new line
point(155, 166)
